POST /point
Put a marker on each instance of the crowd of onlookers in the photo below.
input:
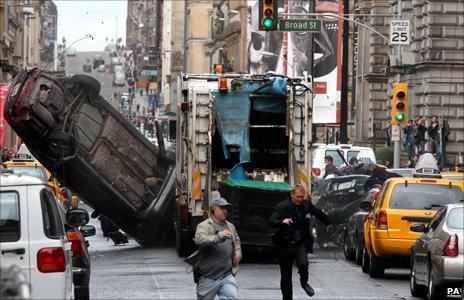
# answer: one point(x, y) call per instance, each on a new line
point(420, 138)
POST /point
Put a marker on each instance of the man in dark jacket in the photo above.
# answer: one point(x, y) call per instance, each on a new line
point(329, 167)
point(293, 238)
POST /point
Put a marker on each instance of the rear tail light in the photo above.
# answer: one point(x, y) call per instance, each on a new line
point(50, 260)
point(451, 246)
point(74, 237)
point(316, 171)
point(382, 221)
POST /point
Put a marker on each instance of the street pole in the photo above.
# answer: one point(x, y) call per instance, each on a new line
point(344, 83)
point(397, 142)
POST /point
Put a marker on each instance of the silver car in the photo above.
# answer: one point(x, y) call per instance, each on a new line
point(437, 257)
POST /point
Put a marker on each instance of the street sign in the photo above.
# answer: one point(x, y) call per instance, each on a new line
point(395, 133)
point(400, 32)
point(312, 25)
point(401, 69)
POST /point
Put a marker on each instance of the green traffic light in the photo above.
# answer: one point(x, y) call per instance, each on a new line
point(399, 116)
point(268, 23)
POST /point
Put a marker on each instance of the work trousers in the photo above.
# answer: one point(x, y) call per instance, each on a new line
point(297, 253)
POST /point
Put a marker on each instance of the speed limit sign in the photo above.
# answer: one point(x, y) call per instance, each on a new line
point(400, 32)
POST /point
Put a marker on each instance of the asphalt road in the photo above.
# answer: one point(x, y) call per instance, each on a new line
point(133, 272)
point(74, 66)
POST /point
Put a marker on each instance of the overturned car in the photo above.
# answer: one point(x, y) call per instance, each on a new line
point(90, 148)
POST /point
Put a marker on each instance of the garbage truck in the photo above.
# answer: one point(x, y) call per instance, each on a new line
point(93, 150)
point(246, 138)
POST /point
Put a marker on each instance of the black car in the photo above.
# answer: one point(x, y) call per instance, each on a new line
point(76, 232)
point(353, 236)
point(339, 198)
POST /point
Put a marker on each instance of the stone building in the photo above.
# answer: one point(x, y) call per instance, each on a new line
point(436, 54)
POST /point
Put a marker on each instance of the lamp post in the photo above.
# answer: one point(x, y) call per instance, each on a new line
point(87, 36)
point(265, 53)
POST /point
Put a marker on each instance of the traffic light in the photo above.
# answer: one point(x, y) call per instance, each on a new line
point(399, 112)
point(268, 15)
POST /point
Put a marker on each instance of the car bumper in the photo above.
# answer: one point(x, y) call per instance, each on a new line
point(449, 269)
point(384, 246)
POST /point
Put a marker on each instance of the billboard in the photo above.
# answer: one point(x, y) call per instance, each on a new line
point(289, 53)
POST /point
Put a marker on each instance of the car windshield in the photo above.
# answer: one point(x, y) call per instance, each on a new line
point(424, 196)
point(456, 218)
point(31, 171)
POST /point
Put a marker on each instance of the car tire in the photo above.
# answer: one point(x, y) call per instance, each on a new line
point(59, 144)
point(81, 293)
point(88, 81)
point(349, 254)
point(365, 261)
point(433, 290)
point(376, 267)
point(358, 253)
point(416, 289)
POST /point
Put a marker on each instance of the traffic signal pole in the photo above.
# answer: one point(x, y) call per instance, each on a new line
point(397, 142)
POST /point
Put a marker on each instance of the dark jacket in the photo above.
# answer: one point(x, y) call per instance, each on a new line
point(285, 234)
point(330, 169)
point(433, 132)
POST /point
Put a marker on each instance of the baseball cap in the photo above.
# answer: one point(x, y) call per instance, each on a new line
point(219, 202)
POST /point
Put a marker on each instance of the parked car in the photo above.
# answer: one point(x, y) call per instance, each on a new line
point(76, 232)
point(403, 202)
point(437, 256)
point(71, 52)
point(353, 241)
point(92, 149)
point(119, 79)
point(32, 236)
point(365, 154)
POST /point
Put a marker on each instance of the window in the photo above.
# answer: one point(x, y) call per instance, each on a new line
point(53, 225)
point(455, 218)
point(437, 219)
point(424, 196)
point(352, 154)
point(337, 160)
point(37, 172)
point(10, 222)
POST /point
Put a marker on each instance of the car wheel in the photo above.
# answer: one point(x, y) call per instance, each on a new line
point(365, 261)
point(376, 267)
point(59, 144)
point(88, 81)
point(416, 289)
point(349, 254)
point(433, 290)
point(359, 253)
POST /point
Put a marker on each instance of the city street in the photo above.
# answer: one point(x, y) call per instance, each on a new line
point(133, 272)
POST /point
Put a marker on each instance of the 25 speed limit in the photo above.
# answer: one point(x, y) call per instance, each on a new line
point(400, 33)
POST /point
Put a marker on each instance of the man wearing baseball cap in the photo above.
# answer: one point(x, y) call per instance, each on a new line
point(216, 260)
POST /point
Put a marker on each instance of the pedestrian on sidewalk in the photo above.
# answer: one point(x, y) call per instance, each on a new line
point(293, 238)
point(434, 135)
point(216, 261)
point(419, 135)
point(409, 140)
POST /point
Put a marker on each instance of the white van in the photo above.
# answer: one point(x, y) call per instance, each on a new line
point(363, 154)
point(32, 236)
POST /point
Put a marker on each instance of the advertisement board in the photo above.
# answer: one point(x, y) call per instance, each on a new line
point(289, 53)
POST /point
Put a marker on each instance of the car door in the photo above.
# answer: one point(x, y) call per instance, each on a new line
point(14, 233)
point(47, 232)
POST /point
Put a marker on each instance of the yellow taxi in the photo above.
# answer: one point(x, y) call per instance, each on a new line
point(24, 163)
point(403, 202)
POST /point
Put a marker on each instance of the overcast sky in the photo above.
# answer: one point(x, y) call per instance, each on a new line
point(101, 19)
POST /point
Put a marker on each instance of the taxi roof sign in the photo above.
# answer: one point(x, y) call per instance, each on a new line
point(426, 167)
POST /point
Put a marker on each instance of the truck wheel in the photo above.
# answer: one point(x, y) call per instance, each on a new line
point(88, 81)
point(365, 261)
point(376, 268)
point(58, 144)
point(184, 243)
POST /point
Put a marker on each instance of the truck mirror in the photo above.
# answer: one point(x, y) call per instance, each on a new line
point(77, 217)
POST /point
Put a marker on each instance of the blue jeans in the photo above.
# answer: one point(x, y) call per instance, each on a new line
point(410, 150)
point(436, 149)
point(225, 287)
